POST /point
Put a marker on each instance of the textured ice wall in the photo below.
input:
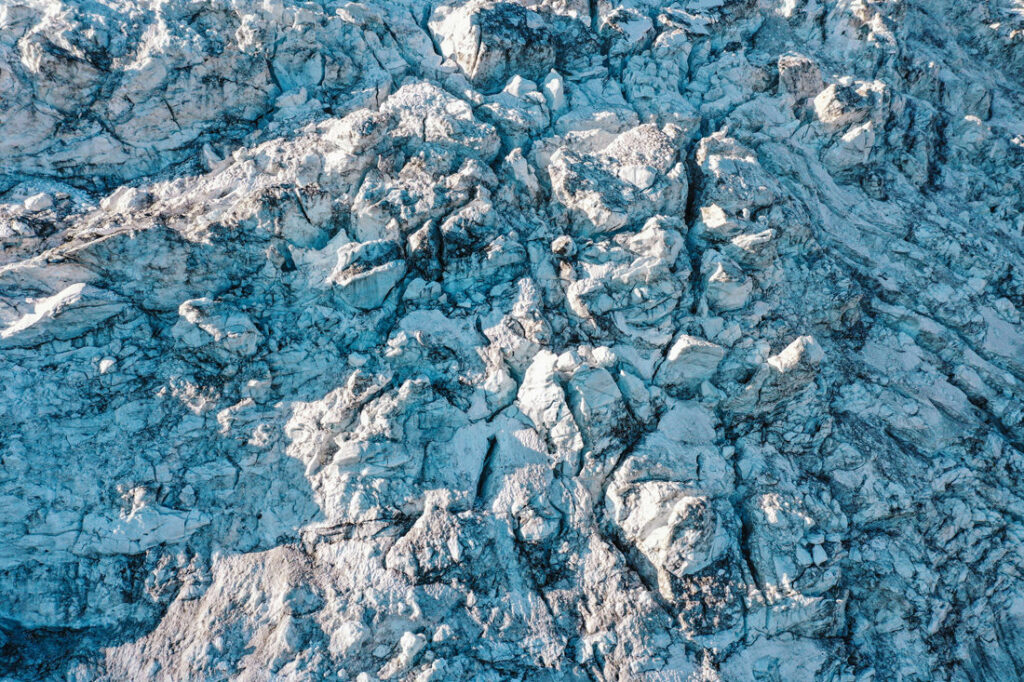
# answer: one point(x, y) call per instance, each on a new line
point(550, 340)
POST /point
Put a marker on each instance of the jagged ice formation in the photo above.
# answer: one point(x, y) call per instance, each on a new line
point(529, 340)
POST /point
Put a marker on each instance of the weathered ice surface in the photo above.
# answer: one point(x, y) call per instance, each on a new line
point(512, 340)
